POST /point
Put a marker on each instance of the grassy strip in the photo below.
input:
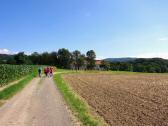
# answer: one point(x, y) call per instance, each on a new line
point(76, 104)
point(1, 103)
point(13, 89)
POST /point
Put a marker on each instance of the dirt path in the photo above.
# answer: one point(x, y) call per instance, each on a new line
point(38, 104)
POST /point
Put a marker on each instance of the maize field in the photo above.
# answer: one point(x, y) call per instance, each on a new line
point(10, 73)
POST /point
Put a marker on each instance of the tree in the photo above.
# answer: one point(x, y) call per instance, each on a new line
point(81, 61)
point(115, 66)
point(76, 58)
point(21, 58)
point(105, 65)
point(2, 62)
point(124, 66)
point(45, 58)
point(35, 58)
point(64, 58)
point(54, 58)
point(91, 59)
point(11, 61)
point(139, 68)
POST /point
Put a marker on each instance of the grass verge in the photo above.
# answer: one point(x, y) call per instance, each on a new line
point(13, 89)
point(1, 103)
point(77, 105)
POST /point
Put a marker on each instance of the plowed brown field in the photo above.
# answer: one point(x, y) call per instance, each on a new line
point(125, 100)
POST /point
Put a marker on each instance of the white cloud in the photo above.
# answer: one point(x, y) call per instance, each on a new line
point(163, 39)
point(154, 55)
point(4, 51)
point(27, 53)
point(100, 58)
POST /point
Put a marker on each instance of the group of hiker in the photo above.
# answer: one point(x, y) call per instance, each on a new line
point(48, 71)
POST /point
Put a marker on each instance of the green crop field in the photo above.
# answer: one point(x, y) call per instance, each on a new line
point(10, 73)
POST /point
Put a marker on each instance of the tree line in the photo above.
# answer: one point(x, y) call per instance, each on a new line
point(151, 65)
point(62, 58)
point(65, 59)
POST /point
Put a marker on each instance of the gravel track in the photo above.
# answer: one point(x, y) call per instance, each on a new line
point(38, 104)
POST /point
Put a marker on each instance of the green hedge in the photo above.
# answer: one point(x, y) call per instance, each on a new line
point(10, 73)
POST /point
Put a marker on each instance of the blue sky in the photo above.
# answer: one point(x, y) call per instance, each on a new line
point(113, 28)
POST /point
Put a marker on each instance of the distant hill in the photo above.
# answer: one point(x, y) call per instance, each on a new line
point(125, 59)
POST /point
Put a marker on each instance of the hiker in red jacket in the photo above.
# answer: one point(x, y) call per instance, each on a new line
point(48, 72)
point(51, 71)
point(45, 71)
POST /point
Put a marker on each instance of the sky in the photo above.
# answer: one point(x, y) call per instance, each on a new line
point(113, 28)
